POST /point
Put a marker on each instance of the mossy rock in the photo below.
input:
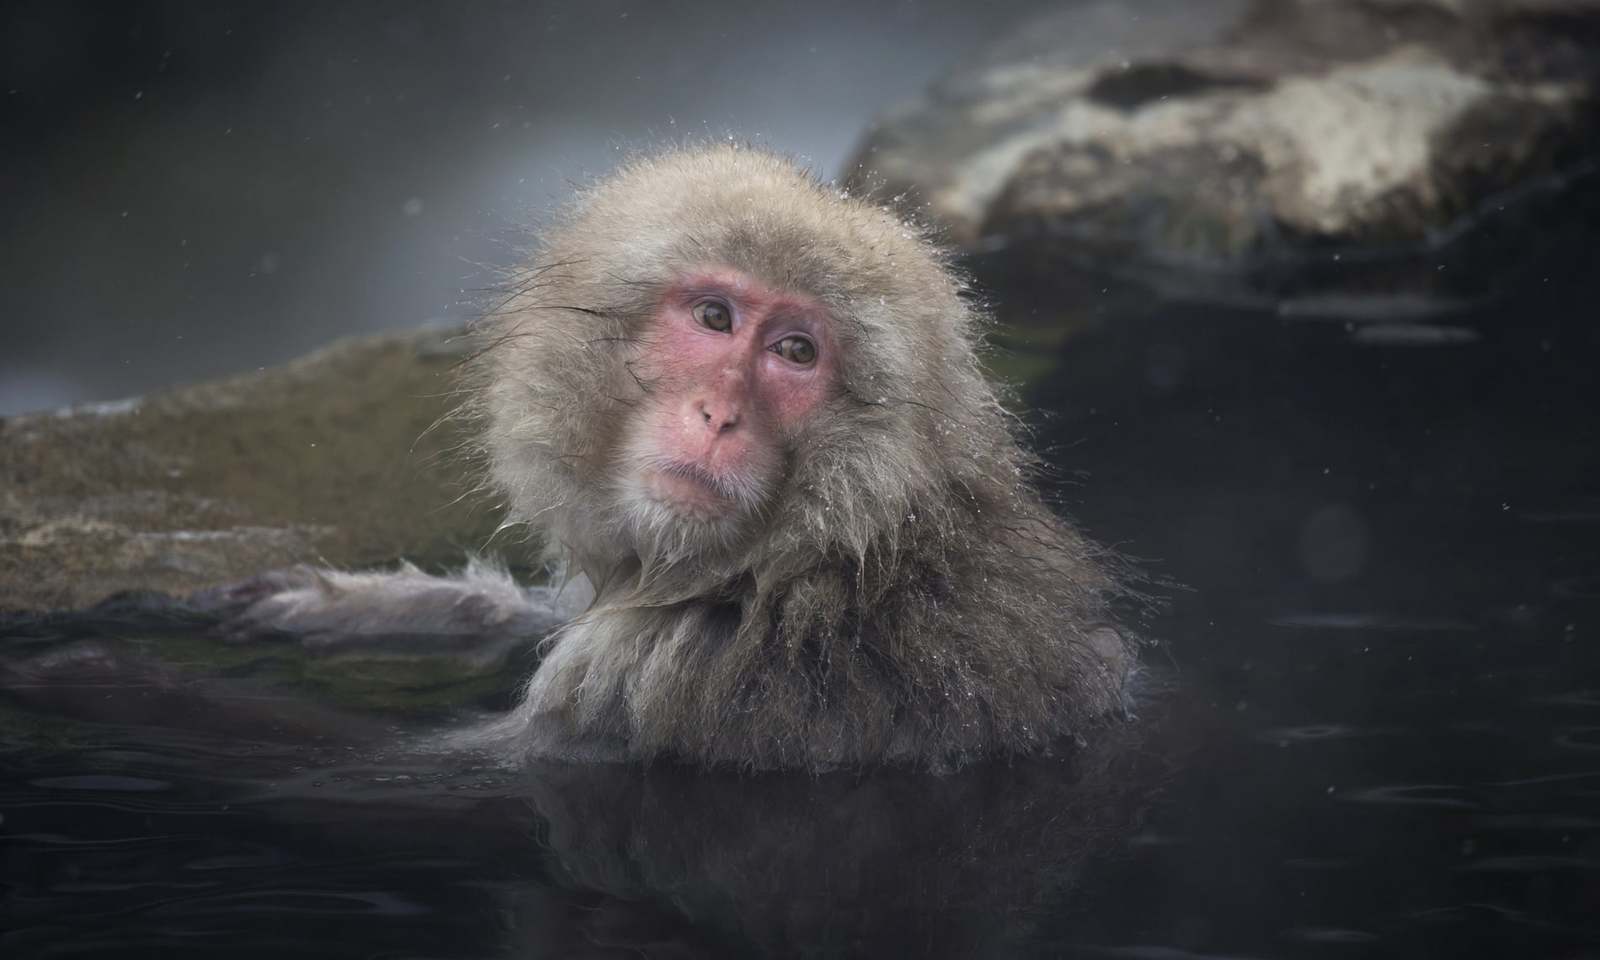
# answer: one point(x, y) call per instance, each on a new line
point(344, 457)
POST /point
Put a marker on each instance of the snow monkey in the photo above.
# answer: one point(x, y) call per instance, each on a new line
point(743, 412)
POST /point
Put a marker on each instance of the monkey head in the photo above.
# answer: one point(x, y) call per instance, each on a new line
point(716, 359)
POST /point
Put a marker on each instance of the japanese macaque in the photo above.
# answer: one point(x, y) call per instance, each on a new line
point(744, 413)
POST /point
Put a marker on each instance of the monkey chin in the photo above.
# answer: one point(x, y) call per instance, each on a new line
point(676, 512)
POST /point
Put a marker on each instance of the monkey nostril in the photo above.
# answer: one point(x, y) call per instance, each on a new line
point(716, 418)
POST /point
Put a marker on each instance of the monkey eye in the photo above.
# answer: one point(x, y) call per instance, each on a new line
point(714, 315)
point(796, 350)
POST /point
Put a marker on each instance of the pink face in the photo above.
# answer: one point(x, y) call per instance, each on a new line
point(733, 368)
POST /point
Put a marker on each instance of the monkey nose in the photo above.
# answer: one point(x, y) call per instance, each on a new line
point(719, 417)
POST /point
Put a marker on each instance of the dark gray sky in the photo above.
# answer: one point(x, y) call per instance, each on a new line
point(193, 189)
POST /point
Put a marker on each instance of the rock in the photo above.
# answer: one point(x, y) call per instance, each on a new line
point(328, 459)
point(1275, 148)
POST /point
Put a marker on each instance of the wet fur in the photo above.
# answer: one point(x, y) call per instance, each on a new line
point(905, 595)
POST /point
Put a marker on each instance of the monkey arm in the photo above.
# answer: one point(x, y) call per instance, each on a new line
point(478, 614)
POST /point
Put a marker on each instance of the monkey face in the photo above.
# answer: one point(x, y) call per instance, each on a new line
point(733, 371)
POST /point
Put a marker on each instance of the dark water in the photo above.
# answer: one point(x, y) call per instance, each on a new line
point(1380, 733)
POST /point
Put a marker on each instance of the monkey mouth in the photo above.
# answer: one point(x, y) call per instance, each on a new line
point(689, 487)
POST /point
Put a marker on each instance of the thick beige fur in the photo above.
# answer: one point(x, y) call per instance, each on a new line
point(905, 596)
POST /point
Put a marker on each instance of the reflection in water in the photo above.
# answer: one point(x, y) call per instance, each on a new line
point(176, 842)
point(886, 864)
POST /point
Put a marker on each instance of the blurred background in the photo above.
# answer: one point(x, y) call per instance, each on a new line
point(1298, 296)
point(197, 189)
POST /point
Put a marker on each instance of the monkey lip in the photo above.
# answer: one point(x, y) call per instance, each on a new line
point(688, 486)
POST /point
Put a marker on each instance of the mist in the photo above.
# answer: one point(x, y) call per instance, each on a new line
point(193, 190)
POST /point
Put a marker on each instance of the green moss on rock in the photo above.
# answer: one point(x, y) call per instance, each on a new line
point(339, 457)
